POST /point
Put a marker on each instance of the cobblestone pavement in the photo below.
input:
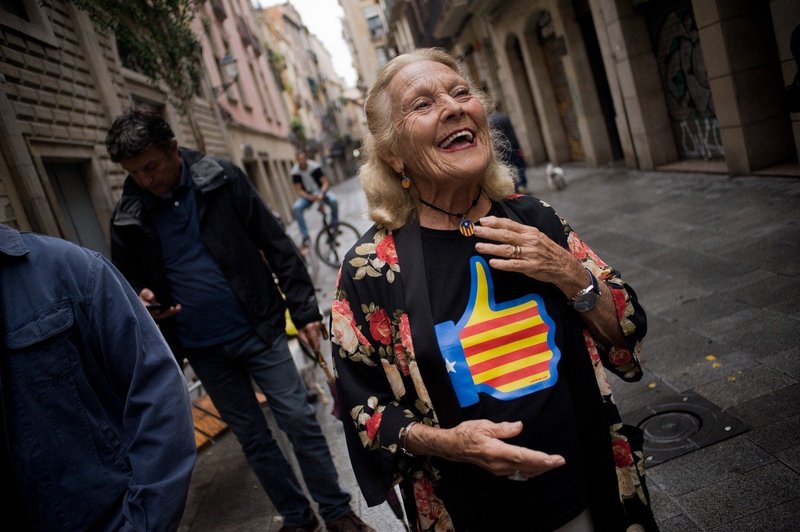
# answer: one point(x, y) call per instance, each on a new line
point(714, 260)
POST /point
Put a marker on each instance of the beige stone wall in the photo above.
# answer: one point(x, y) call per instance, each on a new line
point(642, 117)
point(529, 91)
point(744, 72)
point(785, 17)
point(263, 159)
point(54, 102)
point(63, 87)
point(364, 48)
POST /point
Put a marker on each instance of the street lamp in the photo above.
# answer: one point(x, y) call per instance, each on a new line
point(229, 71)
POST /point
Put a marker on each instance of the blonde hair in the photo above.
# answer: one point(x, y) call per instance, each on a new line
point(390, 205)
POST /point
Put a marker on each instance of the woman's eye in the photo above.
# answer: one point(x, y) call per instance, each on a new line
point(421, 105)
point(463, 91)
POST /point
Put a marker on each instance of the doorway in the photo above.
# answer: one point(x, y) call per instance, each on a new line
point(78, 216)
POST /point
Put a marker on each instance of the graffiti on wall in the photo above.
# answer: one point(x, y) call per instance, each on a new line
point(685, 80)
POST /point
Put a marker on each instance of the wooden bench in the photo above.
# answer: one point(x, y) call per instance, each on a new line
point(208, 423)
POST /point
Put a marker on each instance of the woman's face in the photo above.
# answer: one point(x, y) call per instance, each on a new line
point(442, 130)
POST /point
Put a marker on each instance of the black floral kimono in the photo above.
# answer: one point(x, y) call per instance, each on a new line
point(390, 373)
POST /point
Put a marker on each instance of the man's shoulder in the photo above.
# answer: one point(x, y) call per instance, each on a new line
point(53, 254)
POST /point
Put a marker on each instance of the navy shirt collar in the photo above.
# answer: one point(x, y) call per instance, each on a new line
point(151, 201)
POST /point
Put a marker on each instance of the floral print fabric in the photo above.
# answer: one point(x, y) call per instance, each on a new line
point(380, 383)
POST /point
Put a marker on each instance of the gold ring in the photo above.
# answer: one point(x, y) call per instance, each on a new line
point(517, 252)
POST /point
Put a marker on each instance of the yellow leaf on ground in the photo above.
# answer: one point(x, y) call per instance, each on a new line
point(651, 385)
point(710, 357)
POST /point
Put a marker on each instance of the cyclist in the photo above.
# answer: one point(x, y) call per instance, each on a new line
point(312, 185)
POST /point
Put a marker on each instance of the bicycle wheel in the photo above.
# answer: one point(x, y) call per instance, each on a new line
point(332, 248)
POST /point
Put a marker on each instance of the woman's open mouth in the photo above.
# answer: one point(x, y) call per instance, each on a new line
point(458, 140)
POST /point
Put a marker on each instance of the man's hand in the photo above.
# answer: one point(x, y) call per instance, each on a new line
point(157, 311)
point(309, 334)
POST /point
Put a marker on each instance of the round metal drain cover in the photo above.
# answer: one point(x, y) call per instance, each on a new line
point(681, 424)
point(670, 427)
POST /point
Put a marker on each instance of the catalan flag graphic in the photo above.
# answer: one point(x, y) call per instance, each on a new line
point(506, 350)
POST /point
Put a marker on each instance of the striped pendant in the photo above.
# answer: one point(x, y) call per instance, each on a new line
point(466, 227)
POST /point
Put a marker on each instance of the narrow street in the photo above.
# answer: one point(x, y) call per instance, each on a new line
point(714, 261)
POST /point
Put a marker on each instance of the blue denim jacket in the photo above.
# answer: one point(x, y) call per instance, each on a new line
point(97, 413)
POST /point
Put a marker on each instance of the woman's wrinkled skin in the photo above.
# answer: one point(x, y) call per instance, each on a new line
point(431, 104)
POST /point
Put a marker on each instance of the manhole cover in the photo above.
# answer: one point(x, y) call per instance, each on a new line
point(681, 424)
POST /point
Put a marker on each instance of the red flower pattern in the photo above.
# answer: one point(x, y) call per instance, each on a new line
point(622, 452)
point(405, 333)
point(581, 251)
point(423, 493)
point(400, 357)
point(591, 346)
point(373, 424)
point(619, 302)
point(380, 327)
point(620, 357)
point(386, 250)
point(344, 326)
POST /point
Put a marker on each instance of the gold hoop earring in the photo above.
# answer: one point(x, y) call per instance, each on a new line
point(405, 182)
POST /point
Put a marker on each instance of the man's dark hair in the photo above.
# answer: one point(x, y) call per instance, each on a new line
point(135, 130)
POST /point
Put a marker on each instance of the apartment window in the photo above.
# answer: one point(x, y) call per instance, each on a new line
point(16, 8)
point(27, 17)
point(127, 57)
point(383, 57)
point(374, 22)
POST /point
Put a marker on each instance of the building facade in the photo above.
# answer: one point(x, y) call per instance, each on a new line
point(311, 88)
point(365, 31)
point(63, 83)
point(662, 84)
point(253, 109)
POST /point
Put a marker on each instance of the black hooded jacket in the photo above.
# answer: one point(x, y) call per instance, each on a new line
point(244, 238)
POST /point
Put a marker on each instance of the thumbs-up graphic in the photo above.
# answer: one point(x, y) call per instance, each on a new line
point(506, 350)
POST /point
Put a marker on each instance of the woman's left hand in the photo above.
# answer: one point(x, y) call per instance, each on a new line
point(525, 249)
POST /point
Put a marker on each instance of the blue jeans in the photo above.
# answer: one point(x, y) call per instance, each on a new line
point(302, 204)
point(516, 159)
point(226, 371)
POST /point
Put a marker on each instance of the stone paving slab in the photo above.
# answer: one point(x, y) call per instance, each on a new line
point(768, 408)
point(787, 362)
point(709, 466)
point(780, 518)
point(742, 495)
point(790, 457)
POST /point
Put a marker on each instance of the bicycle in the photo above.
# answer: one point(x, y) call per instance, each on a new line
point(331, 246)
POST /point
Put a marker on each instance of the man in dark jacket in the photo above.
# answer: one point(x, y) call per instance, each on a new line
point(198, 245)
point(509, 147)
point(95, 426)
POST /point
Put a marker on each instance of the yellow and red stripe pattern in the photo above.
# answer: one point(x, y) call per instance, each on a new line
point(506, 349)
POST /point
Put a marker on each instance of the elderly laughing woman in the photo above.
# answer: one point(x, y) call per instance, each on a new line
point(471, 328)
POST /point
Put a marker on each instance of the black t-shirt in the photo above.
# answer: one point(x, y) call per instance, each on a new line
point(500, 341)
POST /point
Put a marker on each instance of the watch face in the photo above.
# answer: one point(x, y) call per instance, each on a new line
point(585, 302)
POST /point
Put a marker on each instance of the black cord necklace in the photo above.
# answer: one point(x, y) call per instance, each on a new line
point(465, 225)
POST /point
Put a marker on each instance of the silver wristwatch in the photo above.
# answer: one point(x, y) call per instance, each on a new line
point(588, 297)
